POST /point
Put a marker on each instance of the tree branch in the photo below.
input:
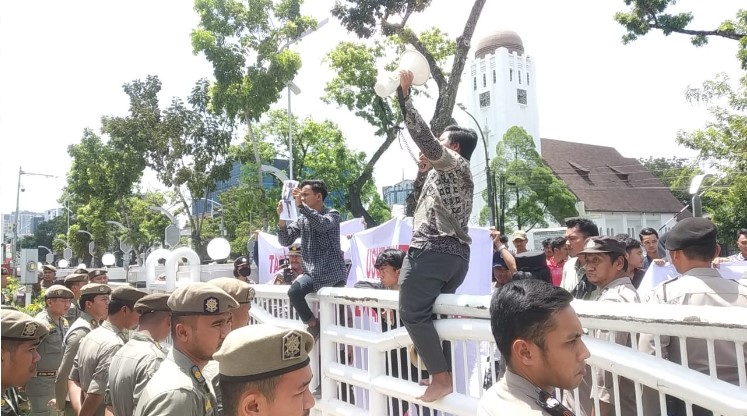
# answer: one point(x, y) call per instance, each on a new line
point(720, 33)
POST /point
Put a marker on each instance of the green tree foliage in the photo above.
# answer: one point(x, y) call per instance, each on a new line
point(532, 192)
point(674, 172)
point(355, 65)
point(645, 15)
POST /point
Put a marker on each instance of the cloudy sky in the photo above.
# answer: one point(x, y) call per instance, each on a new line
point(62, 65)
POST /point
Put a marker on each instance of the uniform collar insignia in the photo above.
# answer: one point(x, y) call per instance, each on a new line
point(197, 374)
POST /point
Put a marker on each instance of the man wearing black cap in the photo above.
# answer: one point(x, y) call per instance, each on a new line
point(606, 267)
point(692, 247)
point(242, 269)
point(136, 362)
point(91, 366)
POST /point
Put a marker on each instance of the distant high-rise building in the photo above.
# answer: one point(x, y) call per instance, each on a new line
point(397, 193)
point(27, 223)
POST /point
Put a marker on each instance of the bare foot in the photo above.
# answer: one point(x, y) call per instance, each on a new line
point(425, 382)
point(440, 385)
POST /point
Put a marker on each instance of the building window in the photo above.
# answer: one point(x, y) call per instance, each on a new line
point(527, 78)
point(474, 83)
point(519, 77)
point(494, 78)
point(511, 75)
point(521, 96)
point(484, 80)
point(484, 99)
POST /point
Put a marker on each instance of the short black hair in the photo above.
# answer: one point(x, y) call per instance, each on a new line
point(231, 391)
point(557, 243)
point(702, 252)
point(631, 244)
point(317, 186)
point(546, 243)
point(585, 225)
point(524, 309)
point(390, 257)
point(115, 305)
point(647, 231)
point(466, 138)
point(86, 298)
point(742, 231)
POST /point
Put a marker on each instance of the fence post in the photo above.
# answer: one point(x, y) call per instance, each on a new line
point(377, 404)
point(327, 349)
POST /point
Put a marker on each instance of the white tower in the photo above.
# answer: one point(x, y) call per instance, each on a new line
point(499, 90)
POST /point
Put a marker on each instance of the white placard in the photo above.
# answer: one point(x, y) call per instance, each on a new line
point(290, 211)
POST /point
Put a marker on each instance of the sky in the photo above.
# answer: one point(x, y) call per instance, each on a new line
point(63, 64)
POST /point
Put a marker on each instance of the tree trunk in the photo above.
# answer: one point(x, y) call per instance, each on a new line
point(356, 187)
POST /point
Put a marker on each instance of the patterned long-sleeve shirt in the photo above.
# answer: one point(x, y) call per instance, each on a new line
point(321, 256)
point(444, 206)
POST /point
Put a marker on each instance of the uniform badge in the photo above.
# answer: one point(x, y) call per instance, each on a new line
point(59, 292)
point(29, 330)
point(590, 244)
point(102, 288)
point(197, 374)
point(211, 305)
point(291, 345)
point(250, 294)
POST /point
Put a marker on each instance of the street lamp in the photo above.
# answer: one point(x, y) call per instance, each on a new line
point(488, 173)
point(91, 246)
point(123, 244)
point(15, 225)
point(293, 88)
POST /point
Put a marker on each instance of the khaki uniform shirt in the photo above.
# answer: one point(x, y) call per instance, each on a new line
point(619, 290)
point(50, 350)
point(78, 330)
point(699, 286)
point(210, 372)
point(73, 312)
point(512, 395)
point(91, 365)
point(131, 369)
point(177, 388)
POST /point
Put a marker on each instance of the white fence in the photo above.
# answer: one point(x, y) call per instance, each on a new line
point(363, 367)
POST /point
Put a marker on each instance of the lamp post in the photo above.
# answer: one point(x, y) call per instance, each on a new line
point(91, 246)
point(14, 262)
point(293, 88)
point(222, 228)
point(695, 184)
point(125, 253)
point(490, 180)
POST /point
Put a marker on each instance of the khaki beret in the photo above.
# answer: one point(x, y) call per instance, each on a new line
point(95, 289)
point(201, 298)
point(97, 272)
point(155, 302)
point(58, 291)
point(15, 325)
point(76, 277)
point(274, 351)
point(127, 293)
point(240, 291)
point(81, 270)
point(49, 267)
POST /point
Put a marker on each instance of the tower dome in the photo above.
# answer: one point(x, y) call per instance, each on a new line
point(502, 39)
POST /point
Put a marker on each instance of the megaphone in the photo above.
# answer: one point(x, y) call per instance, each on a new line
point(411, 60)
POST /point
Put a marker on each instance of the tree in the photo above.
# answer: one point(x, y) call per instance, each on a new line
point(645, 15)
point(674, 172)
point(355, 66)
point(532, 191)
point(186, 144)
point(232, 34)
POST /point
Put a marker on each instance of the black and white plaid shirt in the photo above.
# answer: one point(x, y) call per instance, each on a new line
point(321, 255)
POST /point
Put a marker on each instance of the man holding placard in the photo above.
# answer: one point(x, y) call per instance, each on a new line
point(319, 230)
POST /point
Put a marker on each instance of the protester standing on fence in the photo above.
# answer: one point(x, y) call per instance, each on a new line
point(136, 362)
point(539, 337)
point(574, 274)
point(40, 389)
point(692, 247)
point(200, 321)
point(275, 381)
point(319, 230)
point(438, 257)
point(21, 335)
point(606, 268)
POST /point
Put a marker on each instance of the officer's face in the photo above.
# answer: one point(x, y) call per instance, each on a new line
point(206, 334)
point(19, 363)
point(295, 263)
point(600, 269)
point(48, 275)
point(561, 363)
point(100, 307)
point(292, 396)
point(102, 278)
point(58, 307)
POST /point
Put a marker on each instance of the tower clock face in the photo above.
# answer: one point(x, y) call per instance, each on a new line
point(485, 99)
point(521, 96)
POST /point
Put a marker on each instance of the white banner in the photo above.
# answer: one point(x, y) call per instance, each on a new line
point(655, 275)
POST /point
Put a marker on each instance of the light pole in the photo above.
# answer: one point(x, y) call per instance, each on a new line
point(91, 246)
point(222, 228)
point(15, 224)
point(490, 180)
point(293, 88)
point(126, 260)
